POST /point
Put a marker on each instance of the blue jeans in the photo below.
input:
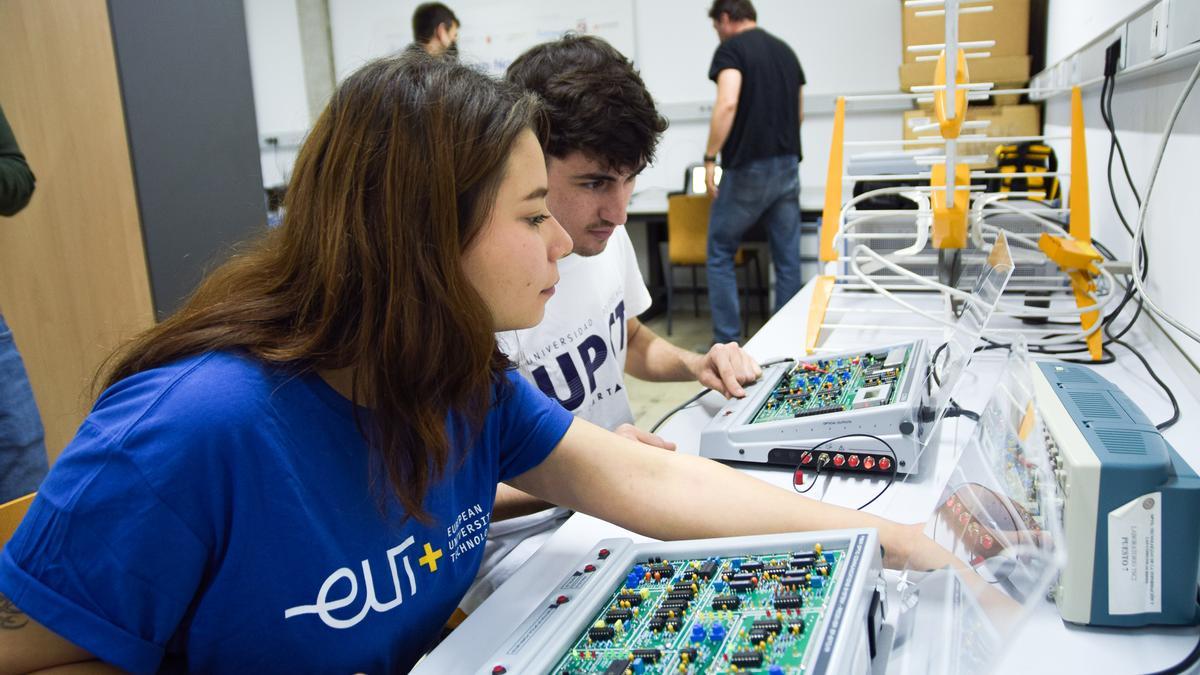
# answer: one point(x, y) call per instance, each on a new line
point(766, 191)
point(23, 462)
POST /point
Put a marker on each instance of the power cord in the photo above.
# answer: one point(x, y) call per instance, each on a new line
point(1109, 357)
point(1111, 57)
point(662, 420)
point(956, 410)
point(1188, 661)
point(677, 408)
point(1161, 426)
point(1139, 233)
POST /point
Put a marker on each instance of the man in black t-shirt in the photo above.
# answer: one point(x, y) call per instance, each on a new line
point(756, 127)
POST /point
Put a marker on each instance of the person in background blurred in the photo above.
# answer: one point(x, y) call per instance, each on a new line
point(23, 461)
point(756, 128)
point(435, 29)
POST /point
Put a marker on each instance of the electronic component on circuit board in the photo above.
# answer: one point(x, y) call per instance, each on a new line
point(706, 606)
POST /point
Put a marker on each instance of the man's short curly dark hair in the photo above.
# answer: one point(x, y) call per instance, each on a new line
point(427, 17)
point(595, 99)
point(738, 10)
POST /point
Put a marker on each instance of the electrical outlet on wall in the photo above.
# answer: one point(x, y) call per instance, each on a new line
point(1158, 29)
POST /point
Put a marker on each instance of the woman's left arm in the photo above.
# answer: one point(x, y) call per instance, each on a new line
point(667, 495)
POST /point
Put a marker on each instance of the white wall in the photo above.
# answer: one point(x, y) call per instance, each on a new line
point(277, 71)
point(1140, 108)
point(1071, 24)
point(276, 66)
point(845, 47)
point(492, 34)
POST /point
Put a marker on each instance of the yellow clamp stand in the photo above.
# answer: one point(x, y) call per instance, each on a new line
point(950, 214)
point(831, 219)
point(1070, 254)
point(822, 292)
point(1078, 259)
point(950, 127)
point(950, 218)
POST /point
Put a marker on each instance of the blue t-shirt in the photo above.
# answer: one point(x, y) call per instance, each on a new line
point(215, 515)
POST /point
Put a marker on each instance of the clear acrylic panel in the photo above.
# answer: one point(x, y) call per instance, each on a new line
point(959, 341)
point(999, 518)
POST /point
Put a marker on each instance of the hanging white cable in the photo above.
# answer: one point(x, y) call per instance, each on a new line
point(1055, 228)
point(844, 226)
point(924, 221)
point(963, 295)
point(1004, 309)
point(1007, 310)
point(889, 295)
point(1141, 225)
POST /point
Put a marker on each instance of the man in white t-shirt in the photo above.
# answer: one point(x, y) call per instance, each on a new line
point(603, 131)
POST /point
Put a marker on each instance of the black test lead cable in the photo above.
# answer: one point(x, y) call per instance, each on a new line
point(662, 420)
point(891, 477)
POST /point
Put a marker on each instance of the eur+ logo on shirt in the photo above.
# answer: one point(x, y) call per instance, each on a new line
point(325, 606)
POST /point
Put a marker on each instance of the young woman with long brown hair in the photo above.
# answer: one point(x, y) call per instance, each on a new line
point(296, 472)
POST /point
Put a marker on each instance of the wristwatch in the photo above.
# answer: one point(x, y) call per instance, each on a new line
point(710, 158)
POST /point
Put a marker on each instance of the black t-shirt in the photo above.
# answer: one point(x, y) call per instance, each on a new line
point(767, 123)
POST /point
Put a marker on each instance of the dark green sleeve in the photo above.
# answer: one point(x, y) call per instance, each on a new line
point(16, 180)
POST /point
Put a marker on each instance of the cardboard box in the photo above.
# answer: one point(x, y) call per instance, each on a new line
point(1006, 72)
point(1008, 120)
point(1007, 24)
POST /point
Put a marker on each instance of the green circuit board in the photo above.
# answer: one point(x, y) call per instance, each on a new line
point(748, 614)
point(836, 384)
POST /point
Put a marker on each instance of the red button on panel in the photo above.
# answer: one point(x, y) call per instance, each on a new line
point(603, 553)
point(869, 463)
point(885, 463)
point(853, 461)
point(499, 670)
point(838, 460)
point(589, 568)
point(561, 600)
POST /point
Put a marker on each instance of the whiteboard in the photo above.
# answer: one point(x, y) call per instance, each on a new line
point(495, 34)
point(492, 35)
point(844, 46)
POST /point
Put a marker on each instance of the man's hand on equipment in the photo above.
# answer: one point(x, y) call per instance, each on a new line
point(725, 368)
point(633, 433)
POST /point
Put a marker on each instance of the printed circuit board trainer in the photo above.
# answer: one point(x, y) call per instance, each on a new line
point(769, 605)
point(798, 405)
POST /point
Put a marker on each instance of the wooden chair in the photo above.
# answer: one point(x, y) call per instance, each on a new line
point(687, 245)
point(11, 514)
